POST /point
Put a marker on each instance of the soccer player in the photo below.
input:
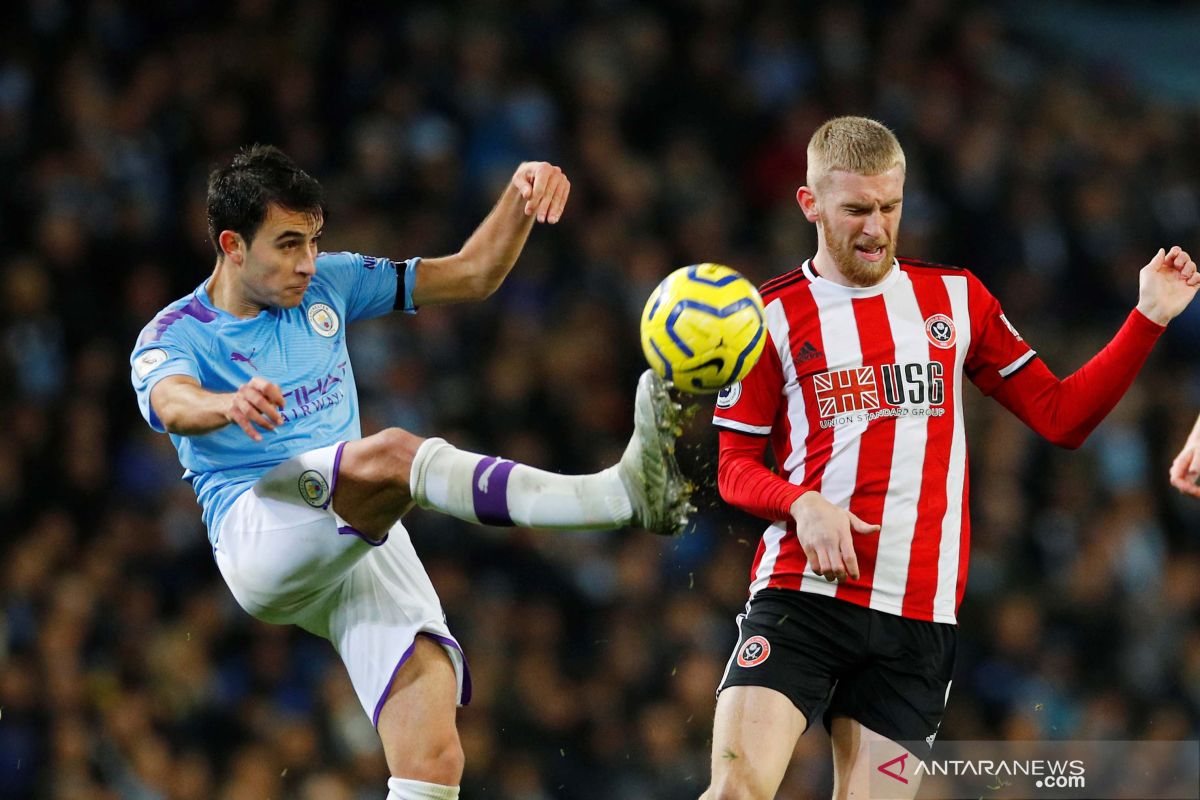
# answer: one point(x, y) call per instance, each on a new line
point(250, 376)
point(857, 580)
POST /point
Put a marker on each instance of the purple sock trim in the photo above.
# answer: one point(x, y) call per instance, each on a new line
point(337, 462)
point(490, 490)
point(445, 642)
point(346, 529)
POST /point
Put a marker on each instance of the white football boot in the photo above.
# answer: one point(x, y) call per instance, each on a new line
point(657, 489)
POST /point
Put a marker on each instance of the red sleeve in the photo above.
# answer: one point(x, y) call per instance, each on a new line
point(746, 413)
point(746, 483)
point(996, 350)
point(750, 405)
point(1066, 411)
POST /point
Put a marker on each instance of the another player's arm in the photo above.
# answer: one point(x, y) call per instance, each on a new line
point(538, 192)
point(1185, 469)
point(822, 528)
point(185, 408)
point(1066, 411)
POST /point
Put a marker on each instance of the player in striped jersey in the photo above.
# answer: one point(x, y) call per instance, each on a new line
point(857, 580)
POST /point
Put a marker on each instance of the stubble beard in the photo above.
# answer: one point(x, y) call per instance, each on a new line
point(855, 269)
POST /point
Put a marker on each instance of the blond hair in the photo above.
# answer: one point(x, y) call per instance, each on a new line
point(852, 144)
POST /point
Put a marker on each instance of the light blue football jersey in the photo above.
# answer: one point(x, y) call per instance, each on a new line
point(301, 349)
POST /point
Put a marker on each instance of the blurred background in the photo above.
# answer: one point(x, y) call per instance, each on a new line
point(1052, 149)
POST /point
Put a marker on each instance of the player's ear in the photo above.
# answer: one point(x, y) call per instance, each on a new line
point(808, 203)
point(232, 245)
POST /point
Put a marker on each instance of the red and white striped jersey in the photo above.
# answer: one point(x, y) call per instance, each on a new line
point(860, 392)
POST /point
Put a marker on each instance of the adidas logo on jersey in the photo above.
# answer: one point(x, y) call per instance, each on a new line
point(807, 353)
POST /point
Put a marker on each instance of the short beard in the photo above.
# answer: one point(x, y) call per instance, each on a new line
point(853, 268)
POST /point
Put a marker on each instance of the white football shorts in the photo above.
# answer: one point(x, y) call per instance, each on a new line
point(288, 559)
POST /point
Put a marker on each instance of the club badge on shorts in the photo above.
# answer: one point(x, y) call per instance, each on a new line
point(314, 489)
point(755, 651)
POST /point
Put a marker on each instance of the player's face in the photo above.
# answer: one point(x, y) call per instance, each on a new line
point(858, 220)
point(281, 260)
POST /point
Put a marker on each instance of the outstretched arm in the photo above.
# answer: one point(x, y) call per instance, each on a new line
point(538, 192)
point(1066, 411)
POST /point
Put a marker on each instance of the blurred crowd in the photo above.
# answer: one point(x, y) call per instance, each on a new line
point(126, 669)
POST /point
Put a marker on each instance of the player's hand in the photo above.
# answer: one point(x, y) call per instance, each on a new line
point(824, 532)
point(544, 188)
point(256, 402)
point(1167, 284)
point(1185, 469)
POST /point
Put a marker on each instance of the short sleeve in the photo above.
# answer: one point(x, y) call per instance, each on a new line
point(154, 359)
point(997, 350)
point(369, 284)
point(750, 405)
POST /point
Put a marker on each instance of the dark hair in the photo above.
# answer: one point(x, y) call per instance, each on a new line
point(258, 176)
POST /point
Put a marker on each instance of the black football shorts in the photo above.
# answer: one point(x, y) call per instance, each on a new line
point(834, 658)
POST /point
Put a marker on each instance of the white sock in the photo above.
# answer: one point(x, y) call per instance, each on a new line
point(496, 491)
point(404, 789)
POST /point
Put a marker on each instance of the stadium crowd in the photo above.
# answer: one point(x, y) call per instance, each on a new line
point(126, 669)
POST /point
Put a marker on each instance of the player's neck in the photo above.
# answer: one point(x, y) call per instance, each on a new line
point(225, 293)
point(825, 266)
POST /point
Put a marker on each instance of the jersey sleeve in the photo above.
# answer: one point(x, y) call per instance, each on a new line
point(155, 358)
point(750, 405)
point(369, 284)
point(996, 351)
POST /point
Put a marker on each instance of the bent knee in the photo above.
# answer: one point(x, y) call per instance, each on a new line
point(398, 440)
point(384, 457)
point(736, 787)
point(439, 761)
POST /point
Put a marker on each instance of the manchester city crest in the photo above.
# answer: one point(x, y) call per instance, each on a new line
point(314, 489)
point(324, 319)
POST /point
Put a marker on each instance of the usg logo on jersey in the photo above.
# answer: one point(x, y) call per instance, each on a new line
point(314, 489)
point(940, 330)
point(729, 395)
point(148, 361)
point(755, 651)
point(323, 319)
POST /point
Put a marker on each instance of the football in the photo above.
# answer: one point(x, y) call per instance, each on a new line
point(702, 327)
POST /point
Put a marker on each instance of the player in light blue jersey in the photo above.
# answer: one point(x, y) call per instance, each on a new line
point(250, 376)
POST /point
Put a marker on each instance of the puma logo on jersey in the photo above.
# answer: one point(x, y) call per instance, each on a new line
point(237, 358)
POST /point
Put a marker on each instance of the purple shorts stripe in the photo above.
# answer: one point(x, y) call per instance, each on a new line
point(347, 530)
point(388, 689)
point(466, 681)
point(337, 463)
point(444, 642)
point(490, 488)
